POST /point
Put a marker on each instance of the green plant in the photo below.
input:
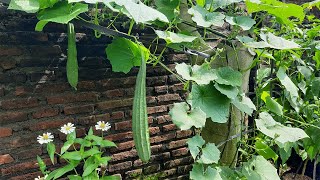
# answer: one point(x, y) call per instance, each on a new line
point(85, 162)
point(280, 40)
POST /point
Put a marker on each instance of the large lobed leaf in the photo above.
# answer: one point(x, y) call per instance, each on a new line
point(211, 101)
point(185, 118)
point(205, 18)
point(199, 173)
point(268, 126)
point(200, 74)
point(125, 54)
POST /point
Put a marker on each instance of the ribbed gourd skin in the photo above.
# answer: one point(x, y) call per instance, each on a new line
point(139, 115)
point(72, 64)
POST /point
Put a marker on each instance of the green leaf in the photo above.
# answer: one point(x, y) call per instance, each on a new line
point(200, 74)
point(66, 146)
point(205, 18)
point(104, 160)
point(245, 22)
point(201, 2)
point(282, 11)
point(211, 101)
point(125, 54)
point(88, 170)
point(305, 71)
point(42, 165)
point(268, 126)
point(90, 152)
point(74, 177)
point(61, 171)
point(168, 7)
point(230, 91)
point(75, 155)
point(110, 178)
point(171, 37)
point(271, 104)
point(258, 168)
point(285, 151)
point(185, 118)
point(140, 12)
point(195, 144)
point(227, 173)
point(29, 6)
point(244, 104)
point(289, 86)
point(107, 143)
point(215, 4)
point(51, 148)
point(90, 132)
point(72, 62)
point(40, 25)
point(315, 87)
point(198, 173)
point(265, 151)
point(272, 41)
point(228, 76)
point(210, 154)
point(62, 12)
point(263, 73)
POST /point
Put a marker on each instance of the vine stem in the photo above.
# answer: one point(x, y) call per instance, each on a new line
point(314, 174)
point(306, 124)
point(178, 77)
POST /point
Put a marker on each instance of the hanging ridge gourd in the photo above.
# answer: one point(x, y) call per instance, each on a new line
point(139, 115)
point(72, 63)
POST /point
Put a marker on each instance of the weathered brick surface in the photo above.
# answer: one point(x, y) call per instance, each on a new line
point(35, 97)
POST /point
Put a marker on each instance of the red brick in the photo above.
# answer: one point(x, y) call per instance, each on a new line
point(161, 89)
point(123, 155)
point(45, 112)
point(117, 115)
point(157, 109)
point(7, 64)
point(68, 98)
point(157, 80)
point(88, 120)
point(113, 93)
point(177, 87)
point(151, 100)
point(169, 97)
point(120, 166)
point(122, 125)
point(50, 124)
point(176, 144)
point(78, 109)
point(19, 141)
point(114, 104)
point(21, 90)
point(103, 117)
point(52, 88)
point(169, 127)
point(163, 119)
point(27, 176)
point(162, 138)
point(19, 103)
point(133, 173)
point(123, 146)
point(15, 116)
point(151, 169)
point(5, 159)
point(157, 157)
point(169, 172)
point(183, 134)
point(177, 162)
point(86, 85)
point(184, 169)
point(21, 167)
point(5, 132)
point(28, 153)
point(154, 130)
point(180, 152)
point(10, 51)
point(120, 136)
point(1, 91)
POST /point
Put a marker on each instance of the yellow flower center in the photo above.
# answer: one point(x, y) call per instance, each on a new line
point(45, 137)
point(102, 125)
point(68, 128)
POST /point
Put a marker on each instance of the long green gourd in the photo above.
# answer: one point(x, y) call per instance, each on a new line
point(72, 63)
point(139, 115)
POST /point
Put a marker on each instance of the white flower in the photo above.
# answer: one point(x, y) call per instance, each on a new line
point(41, 178)
point(103, 126)
point(45, 138)
point(67, 128)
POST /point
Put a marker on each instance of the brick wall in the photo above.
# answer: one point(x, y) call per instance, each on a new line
point(35, 98)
